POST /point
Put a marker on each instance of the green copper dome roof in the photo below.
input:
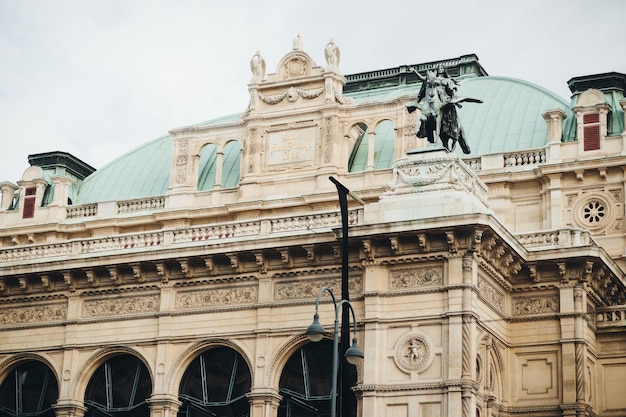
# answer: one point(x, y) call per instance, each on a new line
point(142, 172)
point(510, 117)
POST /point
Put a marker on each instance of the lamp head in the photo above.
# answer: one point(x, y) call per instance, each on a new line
point(354, 354)
point(315, 331)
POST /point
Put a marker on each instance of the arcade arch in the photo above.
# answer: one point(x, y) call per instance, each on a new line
point(28, 388)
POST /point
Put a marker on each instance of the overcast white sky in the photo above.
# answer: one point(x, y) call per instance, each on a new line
point(98, 78)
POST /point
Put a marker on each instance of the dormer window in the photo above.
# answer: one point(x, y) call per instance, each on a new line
point(28, 212)
point(591, 131)
point(591, 112)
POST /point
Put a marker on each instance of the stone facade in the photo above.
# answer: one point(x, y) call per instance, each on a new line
point(485, 286)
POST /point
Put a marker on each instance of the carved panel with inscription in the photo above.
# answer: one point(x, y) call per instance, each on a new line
point(288, 146)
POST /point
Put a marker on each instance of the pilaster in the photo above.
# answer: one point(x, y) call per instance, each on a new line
point(69, 408)
point(163, 405)
point(264, 402)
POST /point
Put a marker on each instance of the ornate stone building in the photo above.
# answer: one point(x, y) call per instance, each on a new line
point(180, 278)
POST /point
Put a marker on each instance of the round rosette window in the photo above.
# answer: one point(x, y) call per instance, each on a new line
point(593, 212)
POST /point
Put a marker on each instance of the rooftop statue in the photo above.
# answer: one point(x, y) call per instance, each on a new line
point(332, 54)
point(257, 65)
point(438, 101)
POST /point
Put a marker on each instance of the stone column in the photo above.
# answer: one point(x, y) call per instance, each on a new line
point(554, 120)
point(264, 402)
point(371, 150)
point(7, 191)
point(468, 402)
point(623, 104)
point(163, 405)
point(69, 408)
point(219, 169)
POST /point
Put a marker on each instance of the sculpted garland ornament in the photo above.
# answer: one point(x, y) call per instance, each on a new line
point(292, 94)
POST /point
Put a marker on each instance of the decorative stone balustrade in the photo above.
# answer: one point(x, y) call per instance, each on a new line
point(556, 238)
point(506, 161)
point(130, 206)
point(87, 210)
point(122, 242)
point(34, 252)
point(214, 232)
point(533, 157)
point(315, 221)
point(179, 236)
point(611, 317)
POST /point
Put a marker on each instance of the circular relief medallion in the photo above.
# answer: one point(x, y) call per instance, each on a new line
point(413, 352)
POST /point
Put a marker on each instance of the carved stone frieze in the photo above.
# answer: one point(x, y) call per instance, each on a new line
point(548, 303)
point(33, 313)
point(303, 289)
point(225, 296)
point(416, 277)
point(116, 306)
point(490, 293)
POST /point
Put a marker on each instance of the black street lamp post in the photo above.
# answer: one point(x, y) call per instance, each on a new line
point(315, 332)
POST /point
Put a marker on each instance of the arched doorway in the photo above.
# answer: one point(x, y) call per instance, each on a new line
point(29, 390)
point(119, 388)
point(216, 384)
point(306, 381)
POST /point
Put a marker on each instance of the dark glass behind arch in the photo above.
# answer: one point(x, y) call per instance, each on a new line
point(216, 384)
point(29, 390)
point(119, 388)
point(306, 379)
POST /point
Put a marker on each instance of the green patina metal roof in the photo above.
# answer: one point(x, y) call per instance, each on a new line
point(510, 117)
point(142, 172)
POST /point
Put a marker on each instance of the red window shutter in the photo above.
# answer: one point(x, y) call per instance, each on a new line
point(591, 118)
point(592, 138)
point(29, 203)
point(29, 208)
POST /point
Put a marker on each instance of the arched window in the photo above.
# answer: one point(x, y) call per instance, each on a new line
point(216, 384)
point(231, 166)
point(29, 390)
point(358, 157)
point(384, 146)
point(208, 168)
point(306, 380)
point(209, 171)
point(119, 388)
point(384, 152)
